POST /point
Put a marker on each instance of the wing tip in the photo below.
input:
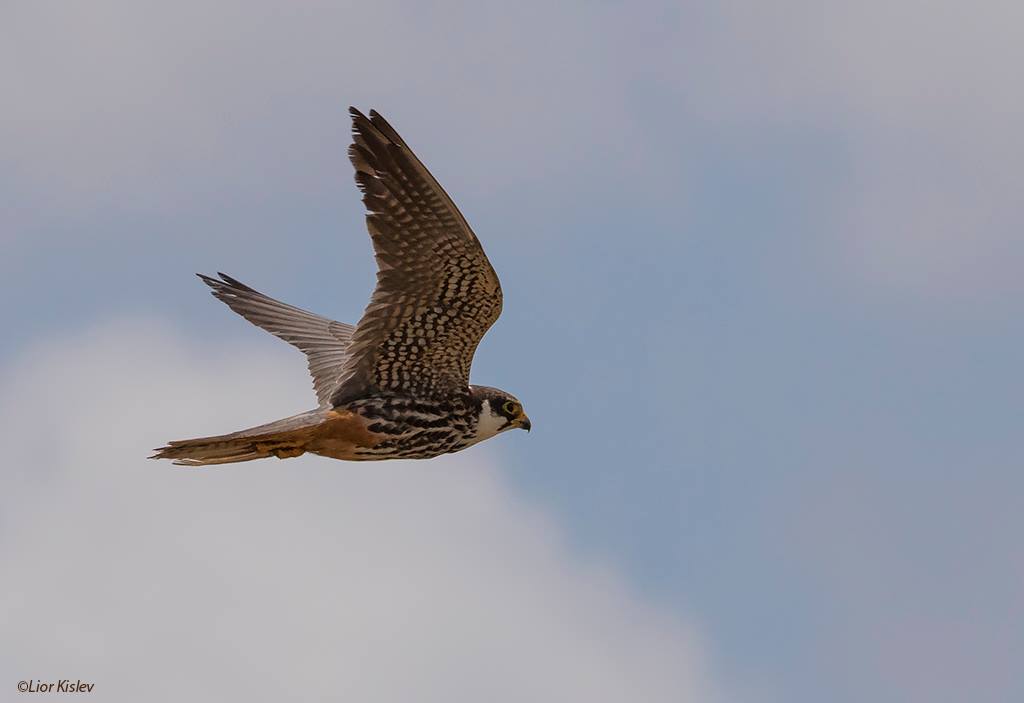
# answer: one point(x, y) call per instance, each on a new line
point(224, 284)
point(359, 120)
point(375, 128)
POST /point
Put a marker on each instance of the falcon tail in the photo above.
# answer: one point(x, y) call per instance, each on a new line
point(284, 439)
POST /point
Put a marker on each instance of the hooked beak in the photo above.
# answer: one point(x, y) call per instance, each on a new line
point(524, 423)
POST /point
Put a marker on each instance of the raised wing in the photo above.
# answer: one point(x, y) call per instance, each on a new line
point(436, 293)
point(324, 341)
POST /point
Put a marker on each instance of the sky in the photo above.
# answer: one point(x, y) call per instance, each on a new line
point(763, 304)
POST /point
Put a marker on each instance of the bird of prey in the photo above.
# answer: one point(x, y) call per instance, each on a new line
point(395, 386)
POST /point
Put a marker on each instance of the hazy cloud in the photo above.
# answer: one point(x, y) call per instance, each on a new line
point(923, 569)
point(139, 105)
point(925, 105)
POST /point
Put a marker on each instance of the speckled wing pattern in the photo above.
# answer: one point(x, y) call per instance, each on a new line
point(436, 293)
point(325, 342)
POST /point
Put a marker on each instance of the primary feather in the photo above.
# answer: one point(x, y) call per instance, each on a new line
point(325, 342)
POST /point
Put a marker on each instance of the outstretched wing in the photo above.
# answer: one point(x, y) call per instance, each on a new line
point(324, 341)
point(436, 293)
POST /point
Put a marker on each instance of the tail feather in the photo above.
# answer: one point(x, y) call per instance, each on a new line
point(284, 439)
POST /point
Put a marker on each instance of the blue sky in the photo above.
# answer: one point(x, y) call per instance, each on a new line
point(762, 303)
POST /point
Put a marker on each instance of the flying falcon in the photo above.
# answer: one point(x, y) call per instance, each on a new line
point(395, 386)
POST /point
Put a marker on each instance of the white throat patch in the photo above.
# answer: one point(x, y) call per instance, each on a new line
point(489, 424)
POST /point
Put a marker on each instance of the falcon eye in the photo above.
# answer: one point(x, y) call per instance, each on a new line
point(510, 407)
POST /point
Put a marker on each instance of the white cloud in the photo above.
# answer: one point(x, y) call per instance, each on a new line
point(272, 580)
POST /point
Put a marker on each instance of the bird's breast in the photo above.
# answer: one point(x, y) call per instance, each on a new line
point(404, 428)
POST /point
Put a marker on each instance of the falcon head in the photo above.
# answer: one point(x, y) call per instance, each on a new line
point(499, 411)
